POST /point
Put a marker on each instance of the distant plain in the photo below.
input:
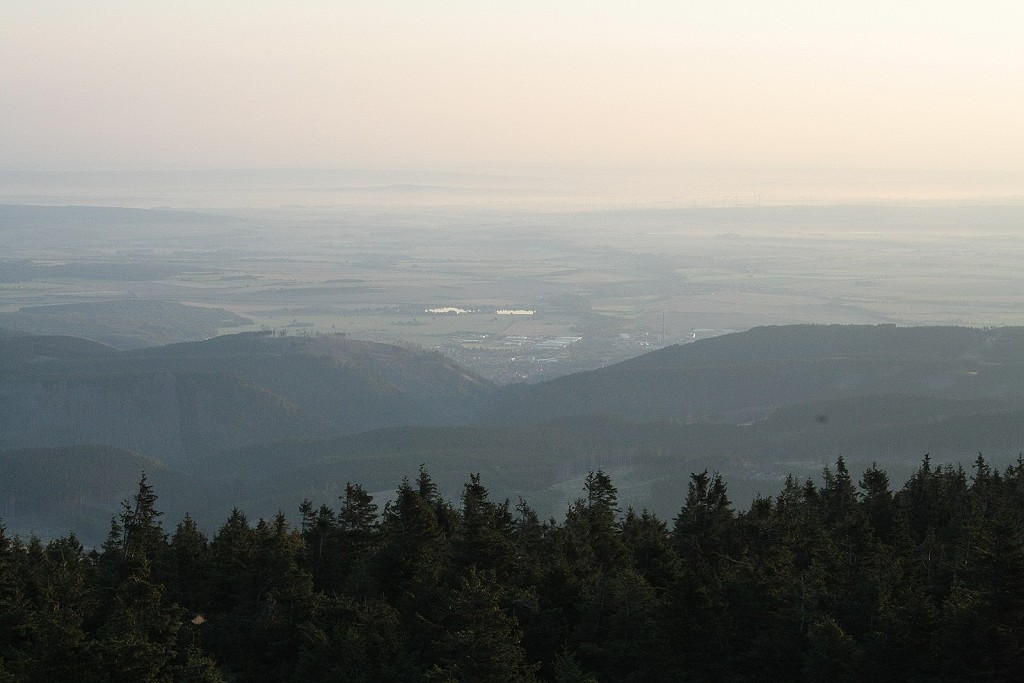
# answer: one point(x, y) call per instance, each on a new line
point(370, 260)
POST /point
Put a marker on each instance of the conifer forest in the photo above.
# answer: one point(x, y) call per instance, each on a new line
point(837, 579)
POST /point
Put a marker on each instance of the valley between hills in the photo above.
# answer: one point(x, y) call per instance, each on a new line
point(262, 422)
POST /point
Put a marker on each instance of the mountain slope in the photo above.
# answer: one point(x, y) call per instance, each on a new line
point(743, 377)
point(185, 401)
point(255, 419)
point(53, 491)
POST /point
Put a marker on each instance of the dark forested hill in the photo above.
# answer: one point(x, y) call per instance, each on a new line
point(185, 401)
point(262, 420)
point(742, 377)
point(54, 491)
point(542, 463)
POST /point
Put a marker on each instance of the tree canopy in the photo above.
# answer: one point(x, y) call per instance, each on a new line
point(828, 580)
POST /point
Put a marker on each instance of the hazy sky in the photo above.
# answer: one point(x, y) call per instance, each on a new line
point(824, 83)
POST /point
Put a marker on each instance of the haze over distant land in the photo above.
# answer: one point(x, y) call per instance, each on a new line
point(572, 104)
point(522, 189)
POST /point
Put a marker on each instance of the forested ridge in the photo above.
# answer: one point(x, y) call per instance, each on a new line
point(842, 579)
point(260, 421)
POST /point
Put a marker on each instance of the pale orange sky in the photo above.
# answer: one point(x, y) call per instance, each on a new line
point(849, 85)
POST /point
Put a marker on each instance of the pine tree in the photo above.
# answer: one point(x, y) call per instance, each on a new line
point(13, 608)
point(355, 640)
point(357, 518)
point(480, 642)
point(649, 548)
point(136, 544)
point(617, 625)
point(832, 654)
point(319, 532)
point(600, 514)
point(702, 527)
point(878, 504)
point(230, 583)
point(484, 537)
point(188, 558)
point(58, 608)
point(144, 539)
point(839, 498)
point(415, 548)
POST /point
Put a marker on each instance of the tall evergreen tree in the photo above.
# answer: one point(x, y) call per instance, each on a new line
point(878, 504)
point(412, 559)
point(479, 641)
point(187, 559)
point(702, 528)
point(484, 537)
point(357, 539)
